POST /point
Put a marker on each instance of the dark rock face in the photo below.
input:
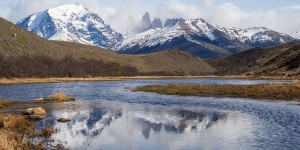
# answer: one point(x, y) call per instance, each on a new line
point(172, 22)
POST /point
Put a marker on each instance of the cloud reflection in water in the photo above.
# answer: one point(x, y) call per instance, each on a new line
point(109, 125)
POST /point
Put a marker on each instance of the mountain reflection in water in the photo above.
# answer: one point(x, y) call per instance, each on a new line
point(120, 126)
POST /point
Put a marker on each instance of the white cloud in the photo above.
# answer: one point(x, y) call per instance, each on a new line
point(230, 15)
point(177, 9)
point(122, 15)
point(293, 7)
point(209, 3)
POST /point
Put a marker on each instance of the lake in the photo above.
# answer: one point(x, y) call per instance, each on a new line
point(109, 115)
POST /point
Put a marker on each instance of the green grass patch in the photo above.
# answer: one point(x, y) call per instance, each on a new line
point(264, 91)
point(5, 34)
point(21, 40)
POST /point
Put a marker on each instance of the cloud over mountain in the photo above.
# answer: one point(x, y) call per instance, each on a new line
point(116, 13)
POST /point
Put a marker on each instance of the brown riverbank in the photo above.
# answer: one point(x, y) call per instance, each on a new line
point(265, 91)
point(4, 81)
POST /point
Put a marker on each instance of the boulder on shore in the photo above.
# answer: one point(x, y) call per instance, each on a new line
point(39, 111)
point(35, 113)
point(28, 111)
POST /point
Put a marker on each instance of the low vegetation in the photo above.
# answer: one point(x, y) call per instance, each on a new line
point(4, 103)
point(264, 91)
point(60, 97)
point(44, 66)
point(19, 133)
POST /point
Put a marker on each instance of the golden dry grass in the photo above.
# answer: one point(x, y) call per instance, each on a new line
point(60, 97)
point(17, 133)
point(264, 91)
point(5, 81)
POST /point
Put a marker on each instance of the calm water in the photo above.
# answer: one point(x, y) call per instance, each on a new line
point(108, 115)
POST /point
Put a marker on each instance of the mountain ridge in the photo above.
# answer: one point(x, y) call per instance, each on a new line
point(195, 35)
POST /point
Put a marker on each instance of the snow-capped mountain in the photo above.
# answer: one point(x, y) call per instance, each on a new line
point(74, 23)
point(201, 38)
point(296, 35)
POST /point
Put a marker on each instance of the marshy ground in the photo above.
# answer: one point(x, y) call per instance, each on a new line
point(260, 91)
point(19, 132)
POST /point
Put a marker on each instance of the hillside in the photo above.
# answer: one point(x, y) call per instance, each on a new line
point(16, 41)
point(283, 60)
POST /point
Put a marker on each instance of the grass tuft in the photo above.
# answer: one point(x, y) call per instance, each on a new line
point(60, 97)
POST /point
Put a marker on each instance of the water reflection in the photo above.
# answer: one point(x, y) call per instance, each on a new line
point(114, 126)
point(107, 115)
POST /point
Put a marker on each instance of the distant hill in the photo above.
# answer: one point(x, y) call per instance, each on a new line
point(16, 41)
point(283, 60)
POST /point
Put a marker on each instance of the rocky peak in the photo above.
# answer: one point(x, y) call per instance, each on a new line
point(156, 23)
point(146, 23)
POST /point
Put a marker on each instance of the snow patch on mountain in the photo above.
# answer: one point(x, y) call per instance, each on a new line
point(200, 25)
point(74, 23)
point(295, 35)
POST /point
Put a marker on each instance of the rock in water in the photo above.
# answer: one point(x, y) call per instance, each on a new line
point(64, 120)
point(39, 99)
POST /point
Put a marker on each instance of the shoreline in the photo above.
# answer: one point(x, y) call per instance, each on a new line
point(12, 81)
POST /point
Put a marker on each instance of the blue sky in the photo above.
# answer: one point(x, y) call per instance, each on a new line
point(280, 15)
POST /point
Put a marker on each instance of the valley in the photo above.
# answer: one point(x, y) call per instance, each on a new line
point(172, 75)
